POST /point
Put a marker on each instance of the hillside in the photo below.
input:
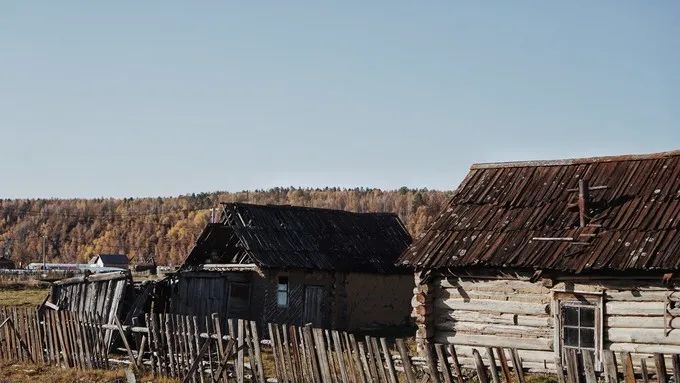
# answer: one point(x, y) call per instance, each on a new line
point(72, 230)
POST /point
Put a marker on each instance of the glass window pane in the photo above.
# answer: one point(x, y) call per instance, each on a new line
point(282, 298)
point(587, 317)
point(571, 336)
point(587, 338)
point(570, 315)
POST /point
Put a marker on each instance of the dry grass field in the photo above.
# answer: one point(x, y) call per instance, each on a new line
point(20, 295)
point(27, 373)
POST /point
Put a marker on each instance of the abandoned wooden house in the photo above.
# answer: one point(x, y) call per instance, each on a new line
point(297, 265)
point(546, 256)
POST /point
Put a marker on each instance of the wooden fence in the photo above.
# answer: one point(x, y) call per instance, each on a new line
point(65, 338)
point(213, 350)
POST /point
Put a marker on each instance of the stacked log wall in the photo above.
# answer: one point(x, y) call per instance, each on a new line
point(518, 313)
point(494, 313)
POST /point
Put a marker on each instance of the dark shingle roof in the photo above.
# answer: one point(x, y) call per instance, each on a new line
point(111, 259)
point(283, 236)
point(498, 210)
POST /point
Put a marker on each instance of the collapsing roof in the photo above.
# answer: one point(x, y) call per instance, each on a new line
point(283, 236)
point(532, 215)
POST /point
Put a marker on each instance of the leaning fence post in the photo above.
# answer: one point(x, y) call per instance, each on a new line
point(610, 368)
point(589, 366)
point(517, 364)
point(479, 365)
point(660, 365)
point(492, 366)
point(629, 373)
point(446, 371)
point(125, 342)
point(643, 371)
point(406, 361)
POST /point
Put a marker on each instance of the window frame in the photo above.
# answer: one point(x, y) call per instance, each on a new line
point(230, 284)
point(578, 299)
point(285, 291)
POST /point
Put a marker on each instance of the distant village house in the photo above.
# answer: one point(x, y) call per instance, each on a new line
point(110, 260)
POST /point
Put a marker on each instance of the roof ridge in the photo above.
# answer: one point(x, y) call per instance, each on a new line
point(289, 206)
point(576, 161)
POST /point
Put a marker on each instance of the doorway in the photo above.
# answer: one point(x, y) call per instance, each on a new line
point(313, 310)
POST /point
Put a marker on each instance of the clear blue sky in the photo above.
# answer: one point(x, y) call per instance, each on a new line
point(146, 98)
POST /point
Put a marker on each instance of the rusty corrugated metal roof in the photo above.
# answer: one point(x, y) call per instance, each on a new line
point(500, 209)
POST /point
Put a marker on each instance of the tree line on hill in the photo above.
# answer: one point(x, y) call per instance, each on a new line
point(73, 230)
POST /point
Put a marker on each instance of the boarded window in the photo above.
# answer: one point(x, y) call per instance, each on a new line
point(282, 292)
point(239, 300)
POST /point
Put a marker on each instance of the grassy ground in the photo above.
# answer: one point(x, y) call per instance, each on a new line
point(27, 373)
point(20, 295)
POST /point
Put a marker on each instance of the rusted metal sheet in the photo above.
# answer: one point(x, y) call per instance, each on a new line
point(284, 236)
point(500, 210)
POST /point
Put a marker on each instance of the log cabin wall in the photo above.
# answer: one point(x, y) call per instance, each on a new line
point(526, 315)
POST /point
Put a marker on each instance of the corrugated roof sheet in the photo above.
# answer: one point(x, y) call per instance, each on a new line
point(283, 236)
point(499, 209)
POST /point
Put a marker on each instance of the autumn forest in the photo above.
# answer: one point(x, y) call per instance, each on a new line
point(72, 230)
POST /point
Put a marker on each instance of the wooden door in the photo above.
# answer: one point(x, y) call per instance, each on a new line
point(313, 310)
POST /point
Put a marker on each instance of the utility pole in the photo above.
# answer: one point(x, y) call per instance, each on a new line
point(44, 251)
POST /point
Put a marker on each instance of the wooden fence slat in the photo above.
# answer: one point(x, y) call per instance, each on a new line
point(379, 360)
point(392, 373)
point(287, 358)
point(191, 373)
point(431, 364)
point(220, 342)
point(559, 370)
point(589, 366)
point(406, 361)
point(660, 364)
point(675, 358)
point(629, 372)
point(492, 365)
point(456, 364)
point(197, 340)
point(311, 353)
point(239, 356)
point(364, 363)
point(644, 374)
point(335, 367)
point(441, 356)
point(517, 365)
point(340, 357)
point(611, 372)
point(258, 354)
point(125, 343)
point(320, 345)
point(479, 365)
point(356, 359)
point(221, 373)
